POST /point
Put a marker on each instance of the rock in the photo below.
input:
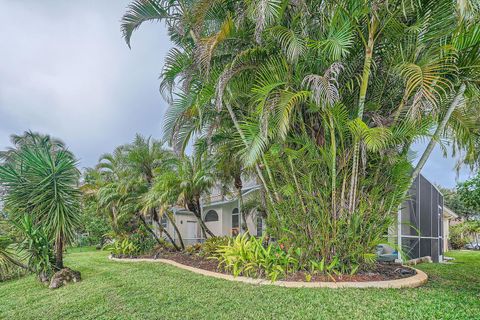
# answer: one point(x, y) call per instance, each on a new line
point(64, 276)
point(43, 277)
point(426, 259)
point(404, 272)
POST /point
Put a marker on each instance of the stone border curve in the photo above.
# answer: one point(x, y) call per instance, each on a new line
point(419, 279)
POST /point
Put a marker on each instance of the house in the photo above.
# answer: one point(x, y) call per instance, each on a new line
point(419, 220)
point(221, 215)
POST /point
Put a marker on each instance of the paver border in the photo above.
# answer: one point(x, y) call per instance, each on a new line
point(419, 279)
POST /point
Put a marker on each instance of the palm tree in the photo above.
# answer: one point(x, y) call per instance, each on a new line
point(162, 197)
point(41, 181)
point(128, 175)
point(466, 45)
point(353, 83)
point(228, 165)
point(189, 179)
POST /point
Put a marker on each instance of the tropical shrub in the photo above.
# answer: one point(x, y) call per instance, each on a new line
point(9, 261)
point(36, 247)
point(122, 247)
point(93, 225)
point(246, 255)
point(211, 246)
point(142, 240)
point(458, 238)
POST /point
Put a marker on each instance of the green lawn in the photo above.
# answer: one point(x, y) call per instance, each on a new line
point(115, 290)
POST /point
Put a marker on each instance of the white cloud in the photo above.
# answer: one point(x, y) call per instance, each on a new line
point(65, 70)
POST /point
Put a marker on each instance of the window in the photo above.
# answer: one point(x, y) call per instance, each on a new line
point(211, 215)
point(259, 226)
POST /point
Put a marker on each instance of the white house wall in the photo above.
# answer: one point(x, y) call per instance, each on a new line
point(223, 227)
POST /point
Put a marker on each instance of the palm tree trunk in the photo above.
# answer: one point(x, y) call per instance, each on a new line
point(334, 167)
point(244, 140)
point(196, 208)
point(59, 253)
point(361, 106)
point(172, 221)
point(239, 186)
point(142, 219)
point(440, 128)
point(168, 235)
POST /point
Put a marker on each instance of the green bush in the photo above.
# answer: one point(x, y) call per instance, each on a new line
point(94, 227)
point(457, 238)
point(143, 240)
point(124, 247)
point(211, 245)
point(13, 272)
point(36, 247)
point(193, 249)
point(246, 255)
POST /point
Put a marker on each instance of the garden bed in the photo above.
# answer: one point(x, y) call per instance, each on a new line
point(379, 272)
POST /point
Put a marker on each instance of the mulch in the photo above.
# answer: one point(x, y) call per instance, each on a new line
point(378, 272)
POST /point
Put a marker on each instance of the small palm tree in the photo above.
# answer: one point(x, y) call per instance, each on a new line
point(125, 178)
point(41, 180)
point(189, 179)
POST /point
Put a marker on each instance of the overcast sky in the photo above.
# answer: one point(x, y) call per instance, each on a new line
point(66, 71)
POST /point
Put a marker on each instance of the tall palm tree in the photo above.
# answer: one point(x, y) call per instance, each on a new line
point(354, 83)
point(41, 180)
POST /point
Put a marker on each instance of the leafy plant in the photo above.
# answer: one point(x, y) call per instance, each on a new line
point(458, 237)
point(246, 255)
point(142, 240)
point(211, 246)
point(122, 247)
point(35, 247)
point(8, 257)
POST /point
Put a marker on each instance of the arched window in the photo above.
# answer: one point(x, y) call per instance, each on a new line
point(211, 215)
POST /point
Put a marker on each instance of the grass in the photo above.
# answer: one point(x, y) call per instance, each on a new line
point(118, 290)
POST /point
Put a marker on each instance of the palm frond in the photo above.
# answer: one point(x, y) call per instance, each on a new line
point(140, 11)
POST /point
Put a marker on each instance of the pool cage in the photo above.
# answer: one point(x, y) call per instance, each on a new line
point(420, 222)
